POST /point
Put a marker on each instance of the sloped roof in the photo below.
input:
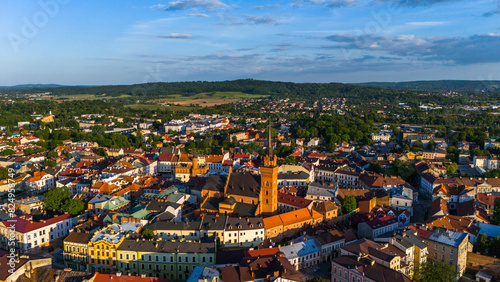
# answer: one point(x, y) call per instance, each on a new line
point(22, 225)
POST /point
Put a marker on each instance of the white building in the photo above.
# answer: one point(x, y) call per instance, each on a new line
point(376, 227)
point(381, 136)
point(30, 234)
point(41, 181)
point(243, 232)
point(303, 252)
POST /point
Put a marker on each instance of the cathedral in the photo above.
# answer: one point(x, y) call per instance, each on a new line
point(244, 194)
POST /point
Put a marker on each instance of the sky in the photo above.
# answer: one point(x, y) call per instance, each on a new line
point(103, 42)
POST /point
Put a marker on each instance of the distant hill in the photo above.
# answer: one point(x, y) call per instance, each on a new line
point(32, 86)
point(440, 85)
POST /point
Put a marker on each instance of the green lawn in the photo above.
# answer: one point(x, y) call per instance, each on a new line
point(152, 107)
point(89, 97)
point(211, 95)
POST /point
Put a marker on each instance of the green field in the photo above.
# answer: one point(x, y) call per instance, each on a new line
point(153, 107)
point(89, 97)
point(212, 95)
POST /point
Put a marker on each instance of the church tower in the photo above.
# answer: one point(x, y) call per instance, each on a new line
point(269, 180)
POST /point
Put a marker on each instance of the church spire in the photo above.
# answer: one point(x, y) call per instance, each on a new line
point(270, 143)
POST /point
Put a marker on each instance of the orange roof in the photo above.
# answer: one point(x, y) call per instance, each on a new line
point(37, 176)
point(272, 221)
point(214, 158)
point(295, 216)
point(99, 277)
point(262, 252)
point(104, 187)
point(184, 158)
point(316, 215)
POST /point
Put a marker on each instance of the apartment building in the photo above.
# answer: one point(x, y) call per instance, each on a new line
point(163, 259)
point(447, 246)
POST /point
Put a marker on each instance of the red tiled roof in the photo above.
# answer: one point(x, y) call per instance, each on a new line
point(241, 156)
point(487, 199)
point(381, 221)
point(165, 157)
point(23, 225)
point(293, 200)
point(262, 252)
point(99, 277)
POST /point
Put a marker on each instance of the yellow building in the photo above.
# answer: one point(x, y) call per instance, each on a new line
point(75, 250)
point(184, 172)
point(48, 119)
point(103, 245)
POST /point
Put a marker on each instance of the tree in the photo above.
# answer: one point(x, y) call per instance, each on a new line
point(52, 154)
point(73, 207)
point(496, 212)
point(101, 152)
point(29, 151)
point(317, 279)
point(148, 233)
point(4, 173)
point(49, 163)
point(418, 145)
point(376, 167)
point(431, 145)
point(349, 204)
point(441, 272)
point(55, 197)
point(451, 168)
point(482, 244)
point(8, 152)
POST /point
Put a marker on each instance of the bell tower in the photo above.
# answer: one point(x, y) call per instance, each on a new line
point(269, 180)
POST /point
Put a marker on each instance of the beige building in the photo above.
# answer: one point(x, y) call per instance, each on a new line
point(447, 246)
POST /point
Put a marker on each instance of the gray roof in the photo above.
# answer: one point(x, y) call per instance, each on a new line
point(244, 184)
point(215, 183)
point(169, 225)
point(317, 189)
point(212, 222)
point(166, 246)
point(244, 223)
point(411, 237)
point(448, 237)
point(294, 176)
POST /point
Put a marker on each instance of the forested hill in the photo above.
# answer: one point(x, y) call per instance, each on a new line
point(248, 86)
point(277, 90)
point(440, 85)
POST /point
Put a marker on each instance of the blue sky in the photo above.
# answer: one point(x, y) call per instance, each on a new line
point(124, 42)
